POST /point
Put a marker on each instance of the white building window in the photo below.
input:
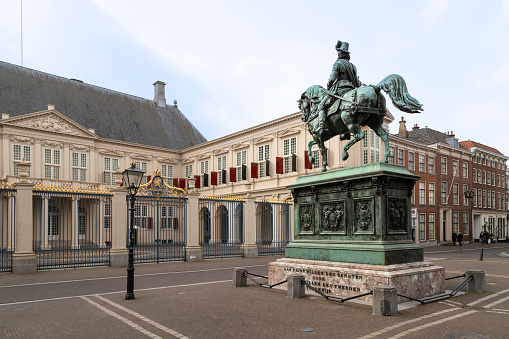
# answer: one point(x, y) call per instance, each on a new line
point(241, 163)
point(263, 155)
point(455, 168)
point(431, 225)
point(289, 148)
point(465, 169)
point(167, 173)
point(79, 166)
point(391, 155)
point(474, 175)
point(189, 170)
point(140, 215)
point(20, 152)
point(365, 157)
point(443, 165)
point(110, 166)
point(166, 216)
point(204, 169)
point(51, 163)
point(455, 194)
point(144, 167)
point(221, 165)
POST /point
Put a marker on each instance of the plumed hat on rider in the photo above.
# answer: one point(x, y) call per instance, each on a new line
point(342, 46)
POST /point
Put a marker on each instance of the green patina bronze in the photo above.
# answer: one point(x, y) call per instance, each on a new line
point(347, 105)
point(357, 214)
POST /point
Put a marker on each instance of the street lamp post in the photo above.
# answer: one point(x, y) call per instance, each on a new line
point(132, 179)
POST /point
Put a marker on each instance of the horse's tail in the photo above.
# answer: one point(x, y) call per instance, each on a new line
point(395, 86)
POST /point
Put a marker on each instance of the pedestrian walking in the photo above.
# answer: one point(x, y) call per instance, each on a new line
point(481, 237)
point(486, 237)
point(454, 237)
point(460, 238)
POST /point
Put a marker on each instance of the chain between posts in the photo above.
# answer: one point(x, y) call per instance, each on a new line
point(441, 296)
point(247, 275)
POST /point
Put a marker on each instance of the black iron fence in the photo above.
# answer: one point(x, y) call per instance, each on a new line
point(221, 226)
point(71, 229)
point(272, 226)
point(160, 228)
point(7, 217)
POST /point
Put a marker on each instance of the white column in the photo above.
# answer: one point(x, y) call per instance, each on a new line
point(10, 224)
point(119, 225)
point(276, 224)
point(193, 248)
point(215, 225)
point(74, 222)
point(101, 221)
point(250, 229)
point(45, 223)
point(24, 259)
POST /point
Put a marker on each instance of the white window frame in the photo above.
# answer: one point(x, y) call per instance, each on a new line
point(431, 193)
point(110, 165)
point(221, 165)
point(411, 161)
point(52, 163)
point(167, 173)
point(422, 163)
point(241, 158)
point(204, 169)
point(422, 192)
point(143, 165)
point(24, 153)
point(263, 155)
point(79, 165)
point(289, 148)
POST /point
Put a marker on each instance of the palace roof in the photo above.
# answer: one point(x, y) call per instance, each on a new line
point(113, 115)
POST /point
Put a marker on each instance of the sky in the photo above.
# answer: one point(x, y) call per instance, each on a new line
point(232, 65)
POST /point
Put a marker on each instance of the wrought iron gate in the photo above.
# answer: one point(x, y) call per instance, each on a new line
point(160, 228)
point(7, 217)
point(221, 226)
point(272, 226)
point(71, 229)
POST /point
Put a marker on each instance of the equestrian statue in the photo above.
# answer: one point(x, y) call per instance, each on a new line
point(347, 105)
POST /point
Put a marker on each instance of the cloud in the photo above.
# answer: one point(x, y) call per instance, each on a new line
point(436, 9)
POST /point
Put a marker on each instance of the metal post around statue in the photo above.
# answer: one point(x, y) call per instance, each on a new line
point(130, 265)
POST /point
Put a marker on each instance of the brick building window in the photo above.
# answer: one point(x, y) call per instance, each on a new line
point(474, 175)
point(465, 223)
point(443, 165)
point(455, 169)
point(401, 157)
point(422, 163)
point(422, 193)
point(431, 193)
point(465, 169)
point(422, 226)
point(455, 221)
point(455, 194)
point(443, 192)
point(411, 161)
point(431, 225)
point(431, 165)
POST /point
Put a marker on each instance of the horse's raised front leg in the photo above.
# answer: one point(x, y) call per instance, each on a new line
point(358, 135)
point(310, 154)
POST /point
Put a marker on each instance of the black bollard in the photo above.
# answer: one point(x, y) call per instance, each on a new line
point(482, 252)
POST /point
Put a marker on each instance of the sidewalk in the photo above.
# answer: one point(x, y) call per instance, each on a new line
point(197, 300)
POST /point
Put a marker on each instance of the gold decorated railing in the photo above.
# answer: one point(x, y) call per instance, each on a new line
point(222, 197)
point(71, 189)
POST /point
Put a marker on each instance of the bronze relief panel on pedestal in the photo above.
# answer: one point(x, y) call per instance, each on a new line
point(397, 217)
point(307, 219)
point(333, 218)
point(364, 217)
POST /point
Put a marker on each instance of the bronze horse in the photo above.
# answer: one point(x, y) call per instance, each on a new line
point(363, 106)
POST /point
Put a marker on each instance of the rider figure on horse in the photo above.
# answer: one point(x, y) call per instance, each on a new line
point(343, 79)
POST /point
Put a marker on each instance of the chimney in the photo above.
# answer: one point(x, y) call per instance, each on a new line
point(415, 127)
point(5, 116)
point(402, 129)
point(51, 107)
point(159, 96)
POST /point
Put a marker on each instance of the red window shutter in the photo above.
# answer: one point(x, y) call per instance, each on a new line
point(149, 177)
point(233, 174)
point(182, 183)
point(197, 183)
point(213, 178)
point(254, 170)
point(307, 163)
point(149, 222)
point(175, 223)
point(175, 182)
point(279, 165)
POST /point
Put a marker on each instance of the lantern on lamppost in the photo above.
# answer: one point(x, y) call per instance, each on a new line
point(132, 180)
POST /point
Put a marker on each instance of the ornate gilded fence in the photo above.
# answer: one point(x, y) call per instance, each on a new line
point(221, 226)
point(160, 224)
point(272, 226)
point(72, 227)
point(7, 231)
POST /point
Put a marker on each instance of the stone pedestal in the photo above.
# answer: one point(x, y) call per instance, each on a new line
point(356, 214)
point(416, 279)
